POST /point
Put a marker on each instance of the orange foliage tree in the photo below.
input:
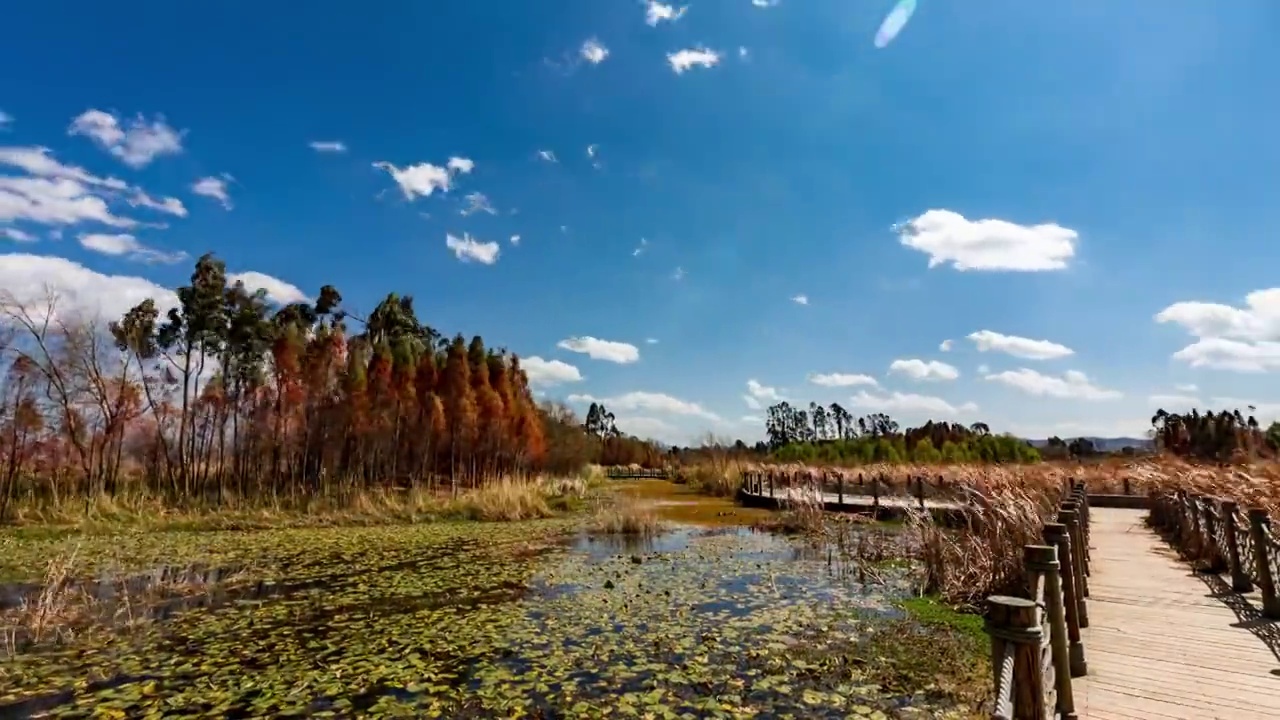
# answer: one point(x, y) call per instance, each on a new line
point(224, 395)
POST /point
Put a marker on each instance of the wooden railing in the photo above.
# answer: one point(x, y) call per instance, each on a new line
point(773, 484)
point(618, 472)
point(1217, 533)
point(1035, 639)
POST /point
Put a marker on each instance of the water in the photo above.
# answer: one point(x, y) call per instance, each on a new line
point(416, 620)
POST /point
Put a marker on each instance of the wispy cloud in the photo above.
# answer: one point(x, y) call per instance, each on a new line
point(135, 144)
point(214, 187)
point(328, 146)
point(467, 249)
point(682, 60)
point(656, 12)
point(593, 51)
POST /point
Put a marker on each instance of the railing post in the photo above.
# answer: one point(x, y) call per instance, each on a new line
point(1082, 501)
point(1042, 561)
point(1126, 486)
point(1260, 533)
point(1240, 581)
point(920, 490)
point(1068, 516)
point(1019, 676)
point(1056, 534)
point(1212, 551)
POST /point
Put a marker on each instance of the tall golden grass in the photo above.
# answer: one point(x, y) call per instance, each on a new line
point(512, 497)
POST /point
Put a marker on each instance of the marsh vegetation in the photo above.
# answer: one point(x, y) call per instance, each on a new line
point(676, 608)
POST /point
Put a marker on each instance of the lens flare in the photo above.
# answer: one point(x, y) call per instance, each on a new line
point(894, 22)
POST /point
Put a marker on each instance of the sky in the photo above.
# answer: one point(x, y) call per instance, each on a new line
point(1050, 217)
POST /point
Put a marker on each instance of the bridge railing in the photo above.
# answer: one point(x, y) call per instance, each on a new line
point(619, 472)
point(1225, 538)
point(783, 485)
point(1035, 639)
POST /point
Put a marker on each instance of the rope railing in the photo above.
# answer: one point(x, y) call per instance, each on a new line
point(1216, 533)
point(1036, 648)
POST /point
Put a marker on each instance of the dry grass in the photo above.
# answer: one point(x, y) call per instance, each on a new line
point(626, 516)
point(505, 498)
point(64, 605)
point(511, 499)
point(1101, 477)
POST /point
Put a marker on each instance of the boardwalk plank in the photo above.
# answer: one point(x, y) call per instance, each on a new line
point(1160, 645)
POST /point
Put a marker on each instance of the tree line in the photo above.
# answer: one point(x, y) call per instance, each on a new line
point(832, 434)
point(1223, 436)
point(227, 394)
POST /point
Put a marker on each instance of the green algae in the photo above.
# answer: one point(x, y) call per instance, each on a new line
point(503, 620)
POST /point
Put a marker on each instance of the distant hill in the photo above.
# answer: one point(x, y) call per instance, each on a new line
point(1105, 444)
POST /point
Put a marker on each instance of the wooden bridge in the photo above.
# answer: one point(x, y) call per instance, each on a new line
point(622, 472)
point(872, 497)
point(1127, 624)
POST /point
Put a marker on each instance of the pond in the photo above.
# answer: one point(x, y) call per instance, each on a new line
point(506, 620)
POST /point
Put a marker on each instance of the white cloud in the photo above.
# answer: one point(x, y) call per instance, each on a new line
point(651, 341)
point(800, 299)
point(213, 187)
point(683, 60)
point(651, 428)
point(984, 369)
point(1174, 402)
point(136, 145)
point(909, 403)
point(947, 237)
point(278, 291)
point(1187, 388)
point(55, 201)
point(678, 274)
point(467, 248)
point(1268, 410)
point(545, 373)
point(328, 146)
point(640, 248)
point(124, 245)
point(1020, 347)
point(477, 202)
point(169, 205)
point(593, 51)
point(743, 52)
point(17, 235)
point(841, 379)
point(596, 349)
point(547, 155)
point(765, 3)
point(421, 180)
point(592, 151)
point(945, 346)
point(920, 370)
point(1235, 355)
point(461, 165)
point(38, 161)
point(515, 240)
point(656, 12)
point(80, 290)
point(1072, 385)
point(1245, 339)
point(5, 120)
point(649, 402)
point(763, 392)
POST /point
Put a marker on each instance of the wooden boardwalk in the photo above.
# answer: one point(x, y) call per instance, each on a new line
point(1164, 642)
point(858, 501)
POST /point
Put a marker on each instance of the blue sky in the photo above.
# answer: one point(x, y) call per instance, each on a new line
point(1101, 177)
